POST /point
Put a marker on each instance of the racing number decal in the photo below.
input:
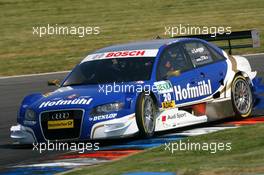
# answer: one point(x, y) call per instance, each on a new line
point(167, 97)
point(165, 91)
point(167, 101)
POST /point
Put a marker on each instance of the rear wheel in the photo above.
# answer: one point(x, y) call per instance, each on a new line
point(145, 115)
point(242, 96)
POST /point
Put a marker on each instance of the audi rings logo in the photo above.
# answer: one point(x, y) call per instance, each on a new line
point(60, 116)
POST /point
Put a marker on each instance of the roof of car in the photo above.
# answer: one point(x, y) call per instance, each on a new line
point(140, 45)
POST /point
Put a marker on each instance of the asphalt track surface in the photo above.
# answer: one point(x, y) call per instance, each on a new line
point(12, 91)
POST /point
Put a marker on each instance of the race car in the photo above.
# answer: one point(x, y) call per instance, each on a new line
point(140, 88)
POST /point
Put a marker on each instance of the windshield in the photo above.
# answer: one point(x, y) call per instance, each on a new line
point(111, 70)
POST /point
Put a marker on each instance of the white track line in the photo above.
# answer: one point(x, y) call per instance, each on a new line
point(31, 75)
point(66, 163)
point(254, 54)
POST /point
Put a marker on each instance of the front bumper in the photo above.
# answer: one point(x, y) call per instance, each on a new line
point(115, 128)
point(22, 134)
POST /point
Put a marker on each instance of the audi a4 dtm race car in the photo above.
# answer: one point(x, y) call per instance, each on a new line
point(140, 88)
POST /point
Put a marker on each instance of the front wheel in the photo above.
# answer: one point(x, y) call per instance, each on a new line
point(242, 96)
point(145, 115)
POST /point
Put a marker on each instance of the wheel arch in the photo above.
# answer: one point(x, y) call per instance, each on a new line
point(231, 80)
point(155, 98)
point(152, 95)
point(245, 75)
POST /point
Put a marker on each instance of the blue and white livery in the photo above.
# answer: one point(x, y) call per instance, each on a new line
point(140, 88)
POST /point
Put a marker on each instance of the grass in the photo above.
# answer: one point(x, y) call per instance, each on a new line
point(120, 21)
point(245, 157)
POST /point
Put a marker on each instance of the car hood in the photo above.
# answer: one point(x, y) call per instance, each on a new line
point(85, 97)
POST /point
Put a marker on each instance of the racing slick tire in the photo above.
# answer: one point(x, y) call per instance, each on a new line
point(145, 115)
point(241, 97)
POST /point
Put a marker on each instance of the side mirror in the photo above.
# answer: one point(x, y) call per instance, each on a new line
point(174, 73)
point(55, 82)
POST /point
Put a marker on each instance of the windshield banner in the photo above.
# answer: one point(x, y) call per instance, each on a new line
point(122, 54)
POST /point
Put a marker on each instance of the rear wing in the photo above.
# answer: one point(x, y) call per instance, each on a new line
point(251, 38)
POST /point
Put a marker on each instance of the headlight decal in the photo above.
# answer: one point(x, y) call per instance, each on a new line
point(106, 108)
point(30, 115)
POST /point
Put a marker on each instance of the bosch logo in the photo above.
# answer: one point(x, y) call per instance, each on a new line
point(60, 116)
point(126, 53)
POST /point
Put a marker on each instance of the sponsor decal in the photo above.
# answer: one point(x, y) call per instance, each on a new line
point(139, 82)
point(168, 104)
point(77, 101)
point(60, 116)
point(125, 54)
point(168, 117)
point(103, 117)
point(164, 118)
point(202, 58)
point(122, 54)
point(73, 96)
point(176, 116)
point(197, 50)
point(163, 87)
point(60, 124)
point(204, 88)
point(27, 122)
point(97, 56)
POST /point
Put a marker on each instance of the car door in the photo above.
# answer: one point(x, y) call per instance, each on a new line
point(171, 88)
point(210, 67)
